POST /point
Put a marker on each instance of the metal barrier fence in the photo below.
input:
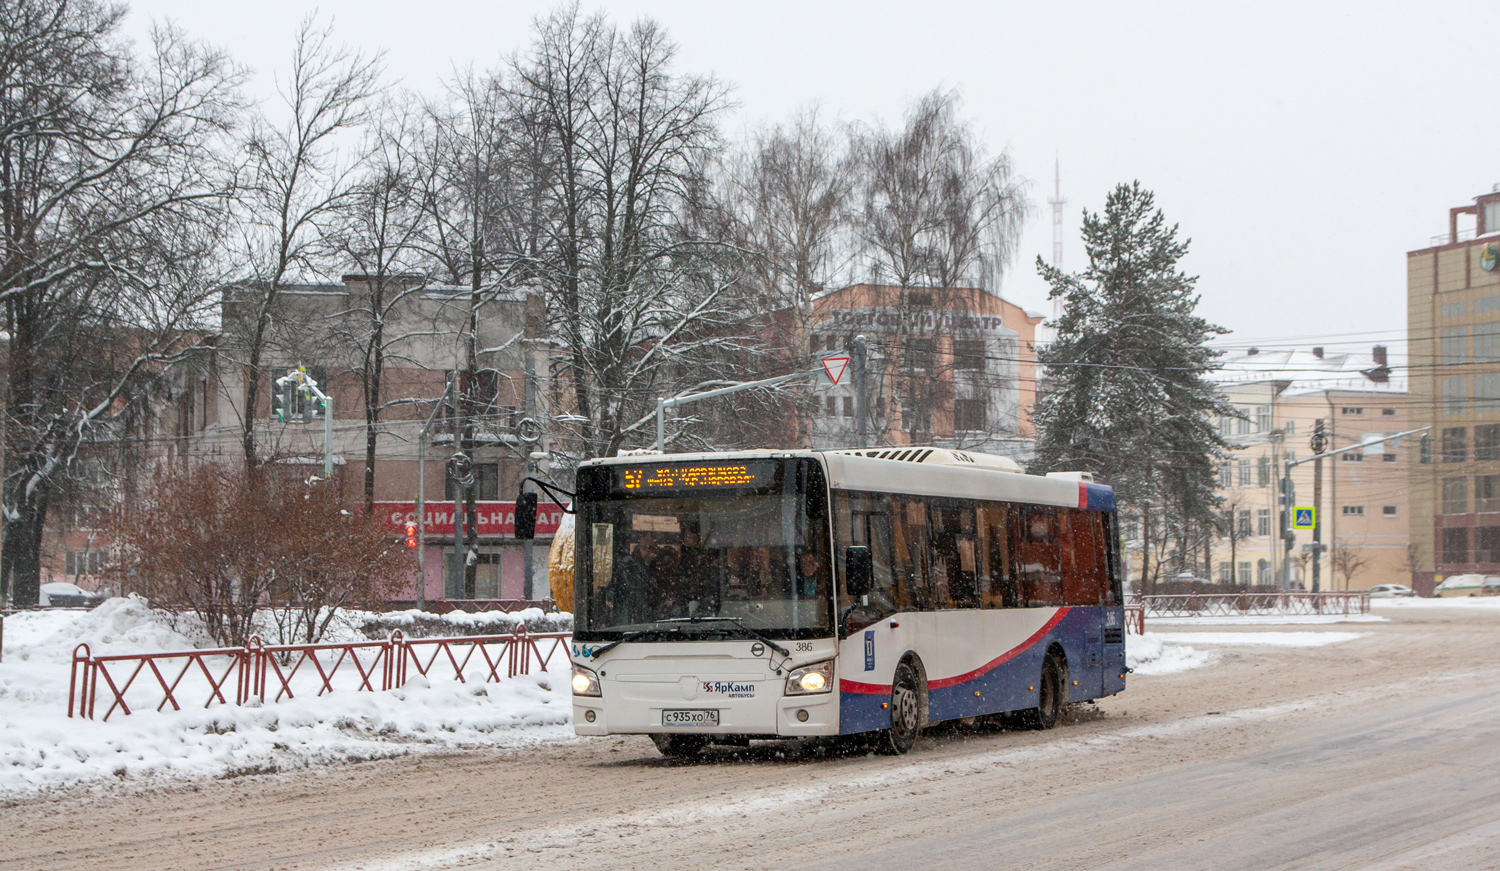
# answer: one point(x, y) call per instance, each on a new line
point(271, 673)
point(1242, 604)
point(1135, 619)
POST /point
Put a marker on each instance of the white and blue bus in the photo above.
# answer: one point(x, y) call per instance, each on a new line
point(726, 597)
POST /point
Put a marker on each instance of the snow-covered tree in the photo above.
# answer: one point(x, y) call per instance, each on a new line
point(112, 198)
point(1129, 397)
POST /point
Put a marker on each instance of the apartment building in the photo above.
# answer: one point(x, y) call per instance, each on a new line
point(1453, 328)
point(1280, 396)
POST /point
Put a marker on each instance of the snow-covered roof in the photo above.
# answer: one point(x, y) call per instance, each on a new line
point(1307, 372)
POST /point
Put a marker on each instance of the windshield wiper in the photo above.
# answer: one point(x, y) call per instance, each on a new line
point(737, 621)
point(628, 636)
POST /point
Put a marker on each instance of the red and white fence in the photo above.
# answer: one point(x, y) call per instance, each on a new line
point(268, 674)
point(1244, 604)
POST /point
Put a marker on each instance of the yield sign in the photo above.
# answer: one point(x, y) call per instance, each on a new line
point(835, 367)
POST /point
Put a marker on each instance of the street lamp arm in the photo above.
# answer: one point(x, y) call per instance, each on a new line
point(1360, 446)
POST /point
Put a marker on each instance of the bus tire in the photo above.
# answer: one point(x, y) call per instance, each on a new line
point(679, 746)
point(906, 712)
point(1052, 694)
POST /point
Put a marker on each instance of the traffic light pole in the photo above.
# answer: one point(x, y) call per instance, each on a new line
point(1288, 493)
point(422, 436)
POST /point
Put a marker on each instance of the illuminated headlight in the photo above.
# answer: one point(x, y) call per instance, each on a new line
point(809, 679)
point(585, 682)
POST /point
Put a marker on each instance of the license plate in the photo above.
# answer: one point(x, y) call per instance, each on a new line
point(690, 718)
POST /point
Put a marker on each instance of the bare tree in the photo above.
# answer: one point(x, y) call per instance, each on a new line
point(298, 180)
point(112, 190)
point(1234, 526)
point(381, 232)
point(638, 297)
point(1349, 561)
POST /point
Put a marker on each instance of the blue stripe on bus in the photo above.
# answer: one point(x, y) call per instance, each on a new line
point(1100, 497)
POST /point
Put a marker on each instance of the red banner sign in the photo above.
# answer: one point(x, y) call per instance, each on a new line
point(495, 518)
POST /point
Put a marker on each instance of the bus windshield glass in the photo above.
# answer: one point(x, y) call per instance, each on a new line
point(684, 550)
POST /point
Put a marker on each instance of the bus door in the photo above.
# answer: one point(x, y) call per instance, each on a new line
point(1085, 581)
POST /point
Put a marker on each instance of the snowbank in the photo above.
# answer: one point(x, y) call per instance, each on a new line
point(1263, 639)
point(1149, 654)
point(41, 748)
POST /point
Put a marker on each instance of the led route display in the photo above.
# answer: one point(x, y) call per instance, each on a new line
point(693, 476)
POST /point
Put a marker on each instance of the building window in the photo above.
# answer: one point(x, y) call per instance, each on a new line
point(1487, 304)
point(1487, 391)
point(1353, 456)
point(1456, 545)
point(1244, 466)
point(1242, 426)
point(1291, 428)
point(1455, 309)
point(1487, 492)
point(1491, 217)
point(1262, 418)
point(1226, 426)
point(1455, 390)
point(1243, 525)
point(918, 298)
point(1487, 544)
point(968, 415)
point(83, 562)
point(1263, 472)
point(1226, 476)
point(919, 355)
point(1388, 412)
point(1455, 449)
point(1453, 345)
point(1487, 343)
point(486, 484)
point(1263, 521)
point(486, 578)
point(1226, 573)
point(1388, 510)
point(848, 406)
point(1487, 442)
point(968, 355)
point(1245, 573)
point(1389, 458)
point(1354, 511)
point(830, 403)
point(1263, 572)
point(1455, 495)
point(1352, 411)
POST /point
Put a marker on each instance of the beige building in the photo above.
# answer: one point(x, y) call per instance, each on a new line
point(1453, 327)
point(1281, 395)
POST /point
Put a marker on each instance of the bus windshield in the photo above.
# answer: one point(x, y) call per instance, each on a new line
point(683, 550)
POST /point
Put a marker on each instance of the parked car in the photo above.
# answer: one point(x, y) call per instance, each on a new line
point(1391, 591)
point(61, 594)
point(1469, 585)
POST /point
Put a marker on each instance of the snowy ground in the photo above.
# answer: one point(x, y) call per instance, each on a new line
point(41, 748)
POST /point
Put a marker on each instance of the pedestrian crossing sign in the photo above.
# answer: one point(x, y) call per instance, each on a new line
point(1304, 518)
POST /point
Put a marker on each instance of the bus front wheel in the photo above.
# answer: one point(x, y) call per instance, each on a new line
point(906, 713)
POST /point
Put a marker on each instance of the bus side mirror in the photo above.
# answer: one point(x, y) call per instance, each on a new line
point(858, 571)
point(526, 516)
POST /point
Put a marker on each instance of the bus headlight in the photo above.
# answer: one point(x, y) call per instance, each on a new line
point(809, 679)
point(585, 682)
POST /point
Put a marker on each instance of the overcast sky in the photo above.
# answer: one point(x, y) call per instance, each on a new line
point(1303, 147)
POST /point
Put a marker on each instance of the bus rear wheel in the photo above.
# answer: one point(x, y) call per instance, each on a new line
point(1051, 695)
point(906, 713)
point(679, 746)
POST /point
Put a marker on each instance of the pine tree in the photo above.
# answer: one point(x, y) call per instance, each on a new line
point(1129, 399)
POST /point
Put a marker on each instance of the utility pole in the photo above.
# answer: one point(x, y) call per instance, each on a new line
point(861, 386)
point(1319, 441)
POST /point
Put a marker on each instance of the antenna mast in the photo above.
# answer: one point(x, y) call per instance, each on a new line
point(1057, 204)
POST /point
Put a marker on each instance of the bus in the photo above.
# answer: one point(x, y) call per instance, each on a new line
point(724, 597)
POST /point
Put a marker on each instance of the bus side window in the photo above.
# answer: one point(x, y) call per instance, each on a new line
point(1083, 579)
point(997, 585)
point(910, 540)
point(1040, 557)
point(952, 560)
point(865, 520)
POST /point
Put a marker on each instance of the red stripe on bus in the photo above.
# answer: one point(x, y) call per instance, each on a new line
point(1083, 495)
point(850, 686)
point(1002, 658)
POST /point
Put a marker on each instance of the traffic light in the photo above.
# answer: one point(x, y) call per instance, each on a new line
point(306, 401)
point(283, 400)
point(1426, 449)
point(411, 535)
